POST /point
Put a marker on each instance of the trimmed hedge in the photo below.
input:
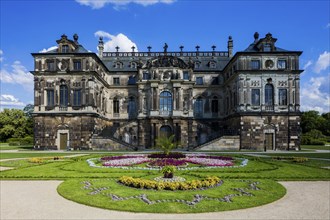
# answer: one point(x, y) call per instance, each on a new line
point(20, 141)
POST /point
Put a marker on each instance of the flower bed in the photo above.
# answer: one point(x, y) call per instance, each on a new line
point(152, 184)
point(173, 155)
point(126, 162)
point(166, 162)
point(209, 161)
point(122, 157)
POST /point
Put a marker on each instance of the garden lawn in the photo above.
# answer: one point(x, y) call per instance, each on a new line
point(4, 155)
point(76, 171)
point(315, 147)
point(103, 191)
point(6, 146)
point(309, 155)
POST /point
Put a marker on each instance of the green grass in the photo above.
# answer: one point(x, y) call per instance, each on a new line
point(73, 190)
point(5, 146)
point(315, 147)
point(76, 170)
point(308, 155)
point(4, 155)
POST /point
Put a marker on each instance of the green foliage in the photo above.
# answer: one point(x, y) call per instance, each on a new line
point(168, 171)
point(315, 128)
point(166, 144)
point(15, 123)
point(313, 137)
point(20, 141)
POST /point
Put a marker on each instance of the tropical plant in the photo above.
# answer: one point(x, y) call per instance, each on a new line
point(168, 171)
point(166, 144)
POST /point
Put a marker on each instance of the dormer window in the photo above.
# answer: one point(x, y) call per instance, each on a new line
point(212, 65)
point(197, 65)
point(133, 65)
point(65, 48)
point(118, 65)
point(267, 47)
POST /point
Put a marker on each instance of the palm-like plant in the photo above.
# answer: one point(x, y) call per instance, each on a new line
point(166, 144)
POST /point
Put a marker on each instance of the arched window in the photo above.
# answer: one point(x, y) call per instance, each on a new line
point(165, 101)
point(269, 94)
point(64, 96)
point(165, 131)
point(198, 106)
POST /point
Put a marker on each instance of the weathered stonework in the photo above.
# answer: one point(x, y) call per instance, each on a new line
point(206, 99)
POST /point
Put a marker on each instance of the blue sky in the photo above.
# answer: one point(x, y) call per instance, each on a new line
point(32, 26)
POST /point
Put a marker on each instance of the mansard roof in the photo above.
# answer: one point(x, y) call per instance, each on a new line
point(167, 61)
point(144, 59)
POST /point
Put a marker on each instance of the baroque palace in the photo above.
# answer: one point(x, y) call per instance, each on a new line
point(208, 99)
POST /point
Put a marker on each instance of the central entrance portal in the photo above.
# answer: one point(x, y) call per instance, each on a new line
point(165, 131)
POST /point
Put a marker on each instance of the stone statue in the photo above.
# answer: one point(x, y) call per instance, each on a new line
point(165, 48)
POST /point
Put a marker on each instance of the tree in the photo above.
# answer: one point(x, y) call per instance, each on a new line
point(309, 121)
point(14, 123)
point(166, 144)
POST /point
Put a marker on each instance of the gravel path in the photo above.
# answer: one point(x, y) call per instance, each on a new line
point(39, 200)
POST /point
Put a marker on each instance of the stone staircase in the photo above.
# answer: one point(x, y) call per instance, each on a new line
point(109, 138)
point(220, 144)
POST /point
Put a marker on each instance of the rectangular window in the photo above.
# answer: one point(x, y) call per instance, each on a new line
point(51, 66)
point(267, 48)
point(282, 97)
point(77, 65)
point(186, 75)
point(116, 81)
point(281, 64)
point(255, 64)
point(131, 80)
point(65, 48)
point(77, 97)
point(199, 80)
point(255, 97)
point(116, 106)
point(215, 81)
point(145, 75)
point(50, 98)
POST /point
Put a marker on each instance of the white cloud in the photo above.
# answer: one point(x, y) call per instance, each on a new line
point(1, 57)
point(315, 94)
point(10, 100)
point(18, 75)
point(49, 49)
point(309, 62)
point(112, 41)
point(97, 4)
point(323, 62)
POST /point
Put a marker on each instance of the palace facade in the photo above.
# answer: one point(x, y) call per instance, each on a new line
point(208, 99)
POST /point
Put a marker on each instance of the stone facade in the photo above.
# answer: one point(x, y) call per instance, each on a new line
point(125, 100)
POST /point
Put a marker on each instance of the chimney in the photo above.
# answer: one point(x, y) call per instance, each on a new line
point(101, 47)
point(230, 46)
